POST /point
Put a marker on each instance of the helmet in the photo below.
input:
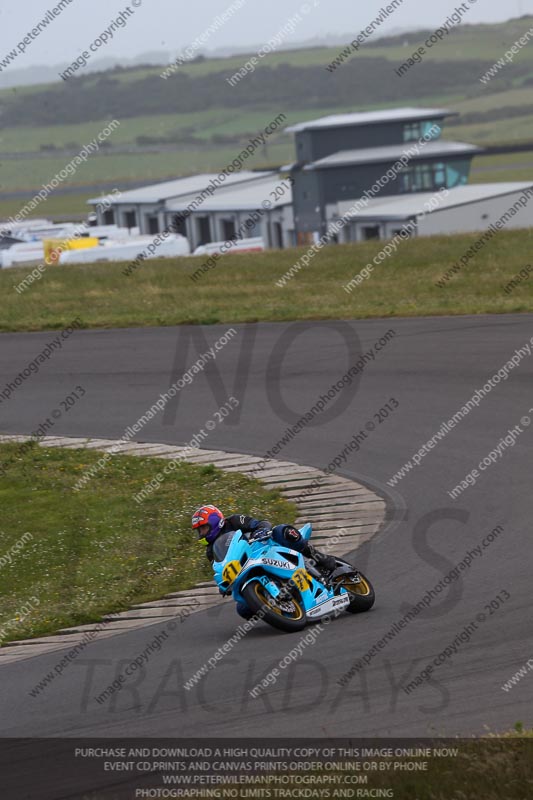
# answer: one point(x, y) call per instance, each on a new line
point(211, 516)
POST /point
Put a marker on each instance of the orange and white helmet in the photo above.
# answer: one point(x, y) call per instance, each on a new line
point(208, 521)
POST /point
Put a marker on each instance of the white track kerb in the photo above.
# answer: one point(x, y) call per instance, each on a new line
point(325, 500)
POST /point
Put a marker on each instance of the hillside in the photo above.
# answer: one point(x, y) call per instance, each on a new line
point(196, 121)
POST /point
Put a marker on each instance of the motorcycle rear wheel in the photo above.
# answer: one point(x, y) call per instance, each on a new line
point(362, 596)
point(287, 615)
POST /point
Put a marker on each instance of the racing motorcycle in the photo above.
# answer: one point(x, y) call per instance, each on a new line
point(280, 587)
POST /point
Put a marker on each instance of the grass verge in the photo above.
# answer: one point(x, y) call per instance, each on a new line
point(242, 288)
point(89, 552)
point(494, 767)
point(491, 768)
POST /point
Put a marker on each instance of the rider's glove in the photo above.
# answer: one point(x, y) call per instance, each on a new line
point(260, 535)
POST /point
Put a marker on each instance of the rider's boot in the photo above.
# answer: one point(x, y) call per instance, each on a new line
point(321, 560)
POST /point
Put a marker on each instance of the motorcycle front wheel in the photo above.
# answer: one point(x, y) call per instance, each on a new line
point(287, 613)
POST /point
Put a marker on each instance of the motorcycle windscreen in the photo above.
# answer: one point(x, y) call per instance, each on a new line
point(222, 545)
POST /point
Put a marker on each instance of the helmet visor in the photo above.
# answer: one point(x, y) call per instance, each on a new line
point(202, 531)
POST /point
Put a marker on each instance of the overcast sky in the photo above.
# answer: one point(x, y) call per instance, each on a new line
point(171, 25)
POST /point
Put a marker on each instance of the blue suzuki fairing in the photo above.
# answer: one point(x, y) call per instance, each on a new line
point(238, 562)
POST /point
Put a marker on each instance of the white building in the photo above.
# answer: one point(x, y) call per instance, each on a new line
point(201, 210)
point(223, 216)
point(463, 209)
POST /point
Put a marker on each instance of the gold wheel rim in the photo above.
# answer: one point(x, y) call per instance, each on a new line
point(362, 588)
point(267, 600)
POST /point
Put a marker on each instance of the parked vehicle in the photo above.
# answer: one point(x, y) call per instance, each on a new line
point(253, 245)
point(128, 250)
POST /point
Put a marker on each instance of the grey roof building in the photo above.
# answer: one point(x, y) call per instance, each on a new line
point(459, 210)
point(393, 153)
point(394, 160)
point(145, 207)
point(224, 214)
point(380, 117)
point(388, 153)
point(322, 137)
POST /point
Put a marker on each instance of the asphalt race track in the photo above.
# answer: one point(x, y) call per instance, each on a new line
point(278, 371)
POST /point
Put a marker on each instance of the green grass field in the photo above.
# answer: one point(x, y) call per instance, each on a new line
point(87, 554)
point(162, 293)
point(205, 124)
point(31, 174)
point(511, 131)
point(65, 205)
point(496, 176)
point(455, 769)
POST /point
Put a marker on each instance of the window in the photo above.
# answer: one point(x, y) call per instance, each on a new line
point(431, 129)
point(109, 217)
point(203, 229)
point(370, 232)
point(228, 230)
point(277, 235)
point(407, 180)
point(153, 224)
point(440, 175)
point(178, 225)
point(457, 173)
point(417, 179)
point(251, 230)
point(425, 178)
point(411, 132)
point(130, 219)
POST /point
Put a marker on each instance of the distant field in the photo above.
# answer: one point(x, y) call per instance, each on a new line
point(30, 174)
point(497, 176)
point(507, 160)
point(162, 293)
point(505, 167)
point(236, 122)
point(517, 129)
point(489, 99)
point(56, 204)
point(205, 124)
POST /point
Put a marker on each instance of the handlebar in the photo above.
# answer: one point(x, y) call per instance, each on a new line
point(260, 536)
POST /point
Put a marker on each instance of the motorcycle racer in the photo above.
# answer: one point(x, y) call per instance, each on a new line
point(210, 523)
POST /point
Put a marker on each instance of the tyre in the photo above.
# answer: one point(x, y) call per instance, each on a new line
point(361, 592)
point(286, 615)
